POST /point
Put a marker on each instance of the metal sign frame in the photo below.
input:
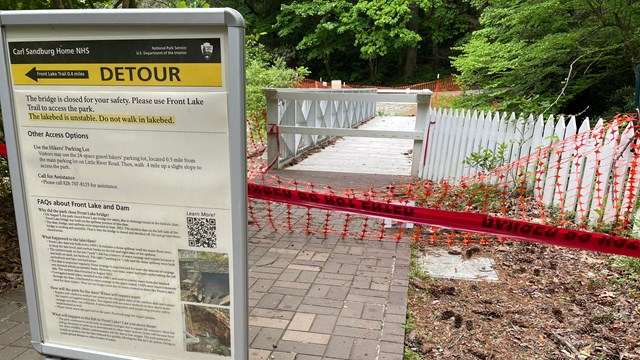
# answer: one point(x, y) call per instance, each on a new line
point(226, 21)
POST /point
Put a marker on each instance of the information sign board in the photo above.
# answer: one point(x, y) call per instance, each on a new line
point(126, 141)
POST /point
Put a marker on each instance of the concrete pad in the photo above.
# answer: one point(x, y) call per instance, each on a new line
point(440, 264)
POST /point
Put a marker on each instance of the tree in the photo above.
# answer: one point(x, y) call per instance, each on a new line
point(326, 34)
point(551, 55)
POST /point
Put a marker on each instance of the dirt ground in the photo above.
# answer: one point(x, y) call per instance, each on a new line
point(550, 303)
point(10, 266)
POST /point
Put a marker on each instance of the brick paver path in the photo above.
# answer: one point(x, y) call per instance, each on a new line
point(315, 297)
point(311, 297)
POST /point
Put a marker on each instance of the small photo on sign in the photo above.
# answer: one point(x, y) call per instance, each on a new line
point(204, 277)
point(207, 329)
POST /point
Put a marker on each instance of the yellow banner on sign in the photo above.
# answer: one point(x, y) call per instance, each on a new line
point(187, 74)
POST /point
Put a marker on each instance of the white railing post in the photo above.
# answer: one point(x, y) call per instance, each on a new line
point(271, 127)
point(422, 112)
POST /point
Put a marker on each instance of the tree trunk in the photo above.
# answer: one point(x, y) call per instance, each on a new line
point(373, 70)
point(436, 55)
point(412, 51)
point(327, 65)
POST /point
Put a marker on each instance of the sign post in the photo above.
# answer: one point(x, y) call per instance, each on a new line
point(126, 139)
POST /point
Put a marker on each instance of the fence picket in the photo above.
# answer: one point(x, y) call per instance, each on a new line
point(631, 191)
point(473, 139)
point(577, 167)
point(542, 156)
point(589, 172)
point(605, 160)
point(564, 162)
point(620, 163)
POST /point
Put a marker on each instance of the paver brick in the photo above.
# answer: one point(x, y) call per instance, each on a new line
point(263, 285)
point(290, 302)
point(297, 347)
point(306, 337)
point(394, 329)
point(302, 322)
point(387, 356)
point(6, 325)
point(304, 267)
point(24, 342)
point(272, 314)
point(319, 291)
point(259, 354)
point(391, 346)
point(362, 282)
point(373, 312)
point(356, 332)
point(392, 338)
point(270, 301)
point(326, 275)
point(323, 302)
point(30, 354)
point(396, 309)
point(324, 324)
point(331, 267)
point(395, 318)
point(307, 276)
point(305, 255)
point(366, 299)
point(292, 284)
point(320, 257)
point(352, 309)
point(15, 333)
point(322, 310)
point(11, 352)
point(332, 282)
point(359, 323)
point(267, 339)
point(339, 347)
point(364, 349)
point(288, 291)
point(289, 275)
point(338, 293)
point(268, 322)
point(309, 357)
point(279, 355)
point(283, 252)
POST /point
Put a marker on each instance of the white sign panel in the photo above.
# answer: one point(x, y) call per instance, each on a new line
point(125, 152)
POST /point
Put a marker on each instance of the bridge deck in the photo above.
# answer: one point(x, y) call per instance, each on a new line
point(366, 155)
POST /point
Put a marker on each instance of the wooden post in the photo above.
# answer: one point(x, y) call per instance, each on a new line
point(422, 113)
point(272, 122)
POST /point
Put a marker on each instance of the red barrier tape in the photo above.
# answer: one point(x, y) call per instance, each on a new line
point(476, 223)
point(3, 150)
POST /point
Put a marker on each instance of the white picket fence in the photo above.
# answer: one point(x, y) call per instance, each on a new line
point(592, 172)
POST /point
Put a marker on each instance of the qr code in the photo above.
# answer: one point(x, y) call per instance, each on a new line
point(201, 232)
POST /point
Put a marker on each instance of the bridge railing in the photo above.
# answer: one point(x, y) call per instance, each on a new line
point(299, 120)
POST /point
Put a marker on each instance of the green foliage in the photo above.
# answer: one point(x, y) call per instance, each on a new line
point(628, 264)
point(193, 4)
point(380, 26)
point(384, 33)
point(265, 71)
point(321, 24)
point(410, 354)
point(546, 54)
point(5, 184)
point(487, 159)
